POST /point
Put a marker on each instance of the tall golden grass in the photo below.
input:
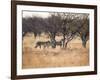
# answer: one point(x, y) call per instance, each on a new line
point(74, 55)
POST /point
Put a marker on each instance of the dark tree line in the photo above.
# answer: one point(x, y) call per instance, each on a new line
point(67, 24)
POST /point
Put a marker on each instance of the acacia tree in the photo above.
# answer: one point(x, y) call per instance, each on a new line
point(72, 24)
point(53, 26)
point(33, 24)
point(66, 27)
point(26, 26)
point(84, 31)
point(81, 26)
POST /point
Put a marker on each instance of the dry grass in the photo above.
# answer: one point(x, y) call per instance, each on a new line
point(74, 55)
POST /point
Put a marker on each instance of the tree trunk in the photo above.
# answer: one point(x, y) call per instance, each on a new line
point(53, 41)
point(66, 44)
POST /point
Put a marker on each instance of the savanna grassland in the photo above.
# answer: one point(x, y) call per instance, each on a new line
point(74, 55)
